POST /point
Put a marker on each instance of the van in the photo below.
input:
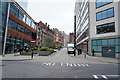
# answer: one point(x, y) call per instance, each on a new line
point(70, 49)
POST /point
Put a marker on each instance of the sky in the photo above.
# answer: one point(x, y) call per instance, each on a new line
point(57, 13)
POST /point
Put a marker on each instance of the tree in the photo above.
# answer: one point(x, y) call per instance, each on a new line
point(48, 42)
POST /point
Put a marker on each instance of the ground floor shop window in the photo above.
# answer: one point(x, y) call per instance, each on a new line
point(113, 42)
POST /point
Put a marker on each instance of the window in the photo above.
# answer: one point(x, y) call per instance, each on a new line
point(117, 41)
point(4, 8)
point(33, 26)
point(13, 9)
point(99, 17)
point(106, 28)
point(110, 12)
point(111, 42)
point(28, 32)
point(105, 14)
point(100, 3)
point(21, 15)
point(104, 42)
point(94, 42)
point(20, 29)
point(117, 48)
point(28, 21)
point(84, 25)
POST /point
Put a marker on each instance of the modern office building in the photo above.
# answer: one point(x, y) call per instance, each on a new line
point(82, 24)
point(23, 4)
point(97, 22)
point(18, 28)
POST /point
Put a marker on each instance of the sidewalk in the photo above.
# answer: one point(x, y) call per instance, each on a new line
point(101, 59)
point(11, 57)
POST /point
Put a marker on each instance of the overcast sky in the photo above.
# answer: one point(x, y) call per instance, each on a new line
point(57, 13)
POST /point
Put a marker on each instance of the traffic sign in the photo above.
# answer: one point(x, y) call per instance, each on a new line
point(85, 42)
point(33, 41)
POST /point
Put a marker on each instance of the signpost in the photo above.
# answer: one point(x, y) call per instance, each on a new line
point(85, 43)
point(33, 42)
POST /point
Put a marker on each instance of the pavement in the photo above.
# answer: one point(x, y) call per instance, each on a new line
point(64, 58)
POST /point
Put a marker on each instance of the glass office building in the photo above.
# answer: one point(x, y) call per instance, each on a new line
point(18, 28)
point(82, 24)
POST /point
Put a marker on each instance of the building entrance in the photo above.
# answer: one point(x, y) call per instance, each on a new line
point(108, 52)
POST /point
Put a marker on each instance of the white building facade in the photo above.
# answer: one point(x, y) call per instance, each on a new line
point(103, 28)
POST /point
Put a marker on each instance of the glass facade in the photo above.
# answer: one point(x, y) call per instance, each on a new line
point(105, 14)
point(28, 21)
point(106, 28)
point(14, 10)
point(113, 42)
point(12, 40)
point(100, 3)
point(4, 13)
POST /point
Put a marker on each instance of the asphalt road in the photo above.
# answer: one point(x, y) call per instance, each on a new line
point(59, 65)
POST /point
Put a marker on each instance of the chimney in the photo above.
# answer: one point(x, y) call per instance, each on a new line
point(46, 24)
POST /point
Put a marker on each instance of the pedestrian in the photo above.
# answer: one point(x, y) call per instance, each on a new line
point(20, 50)
point(80, 51)
point(93, 52)
point(15, 51)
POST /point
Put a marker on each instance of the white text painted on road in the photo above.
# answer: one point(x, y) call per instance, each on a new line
point(66, 64)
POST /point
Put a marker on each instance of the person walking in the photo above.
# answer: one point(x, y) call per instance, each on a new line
point(80, 51)
point(93, 52)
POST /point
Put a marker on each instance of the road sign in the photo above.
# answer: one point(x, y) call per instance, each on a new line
point(85, 42)
point(33, 41)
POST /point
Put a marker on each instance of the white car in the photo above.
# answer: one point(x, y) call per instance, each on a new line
point(70, 49)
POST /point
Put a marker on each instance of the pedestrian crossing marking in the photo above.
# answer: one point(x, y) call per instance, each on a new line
point(95, 76)
point(106, 76)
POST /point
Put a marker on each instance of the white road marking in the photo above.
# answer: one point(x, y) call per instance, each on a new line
point(104, 76)
point(74, 64)
point(66, 64)
point(114, 75)
point(83, 65)
point(78, 65)
point(48, 64)
point(61, 64)
point(69, 64)
point(87, 65)
point(95, 76)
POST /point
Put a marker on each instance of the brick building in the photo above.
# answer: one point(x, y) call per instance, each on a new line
point(71, 38)
point(58, 38)
point(45, 35)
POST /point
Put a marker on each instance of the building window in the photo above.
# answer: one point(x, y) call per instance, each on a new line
point(106, 28)
point(13, 9)
point(20, 29)
point(105, 14)
point(28, 21)
point(100, 3)
point(113, 42)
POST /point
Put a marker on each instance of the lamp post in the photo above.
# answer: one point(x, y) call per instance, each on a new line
point(74, 35)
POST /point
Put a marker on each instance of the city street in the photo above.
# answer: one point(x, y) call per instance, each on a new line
point(59, 65)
